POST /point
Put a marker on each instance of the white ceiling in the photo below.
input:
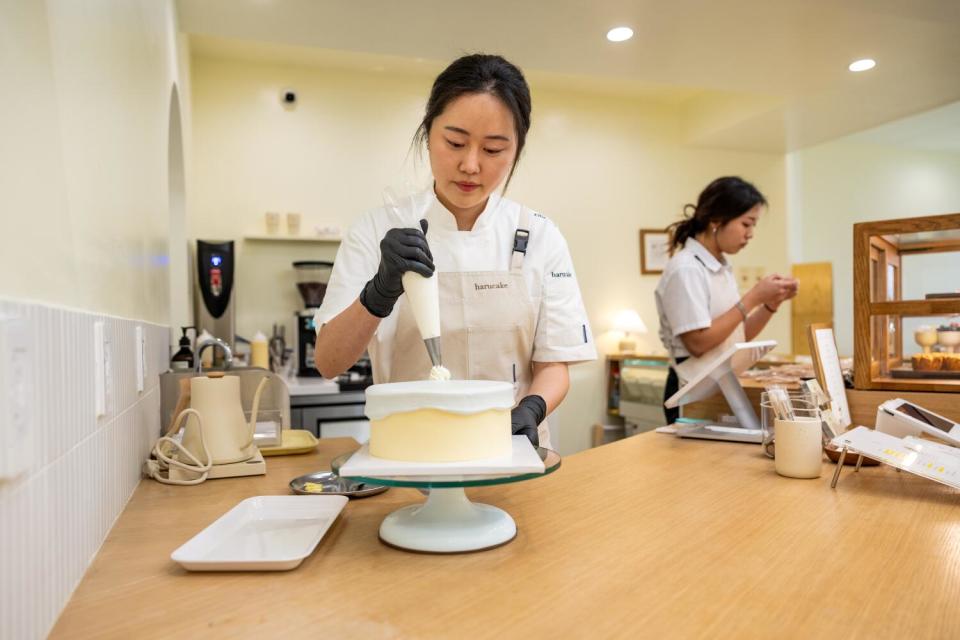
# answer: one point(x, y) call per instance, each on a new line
point(765, 75)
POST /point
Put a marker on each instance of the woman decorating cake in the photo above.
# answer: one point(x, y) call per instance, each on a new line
point(510, 305)
point(701, 310)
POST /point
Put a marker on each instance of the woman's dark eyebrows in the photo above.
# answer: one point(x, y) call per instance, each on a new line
point(466, 133)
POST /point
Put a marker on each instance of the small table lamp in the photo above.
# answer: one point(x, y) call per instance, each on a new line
point(629, 322)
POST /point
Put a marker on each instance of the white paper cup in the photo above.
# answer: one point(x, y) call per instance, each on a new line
point(799, 451)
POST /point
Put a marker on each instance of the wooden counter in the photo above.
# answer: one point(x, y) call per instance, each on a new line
point(652, 536)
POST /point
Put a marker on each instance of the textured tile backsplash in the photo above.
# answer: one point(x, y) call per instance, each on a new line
point(83, 469)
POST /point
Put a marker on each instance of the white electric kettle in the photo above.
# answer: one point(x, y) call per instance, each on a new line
point(216, 431)
point(222, 427)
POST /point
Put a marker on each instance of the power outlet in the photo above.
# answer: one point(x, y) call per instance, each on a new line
point(140, 345)
point(101, 369)
point(16, 434)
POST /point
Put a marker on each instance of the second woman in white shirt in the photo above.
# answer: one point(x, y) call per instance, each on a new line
point(697, 298)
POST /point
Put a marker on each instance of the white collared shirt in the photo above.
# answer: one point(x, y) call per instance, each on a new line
point(694, 289)
point(562, 329)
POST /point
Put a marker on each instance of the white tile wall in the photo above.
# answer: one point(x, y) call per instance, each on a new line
point(54, 518)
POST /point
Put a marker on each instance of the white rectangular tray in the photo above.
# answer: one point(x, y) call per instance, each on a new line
point(524, 459)
point(263, 533)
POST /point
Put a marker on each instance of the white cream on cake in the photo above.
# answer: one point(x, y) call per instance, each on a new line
point(439, 372)
point(440, 420)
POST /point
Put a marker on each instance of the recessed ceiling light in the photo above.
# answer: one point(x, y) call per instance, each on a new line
point(862, 65)
point(619, 34)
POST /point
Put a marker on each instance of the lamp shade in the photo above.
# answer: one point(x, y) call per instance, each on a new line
point(629, 321)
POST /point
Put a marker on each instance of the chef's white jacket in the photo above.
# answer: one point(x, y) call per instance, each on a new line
point(562, 330)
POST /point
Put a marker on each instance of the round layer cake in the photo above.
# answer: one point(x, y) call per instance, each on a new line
point(440, 420)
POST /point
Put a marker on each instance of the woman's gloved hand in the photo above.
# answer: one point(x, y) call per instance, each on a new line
point(401, 250)
point(527, 416)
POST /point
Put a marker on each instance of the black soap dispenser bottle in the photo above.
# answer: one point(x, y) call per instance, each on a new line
point(182, 360)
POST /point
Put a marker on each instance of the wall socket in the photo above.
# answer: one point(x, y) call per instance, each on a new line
point(16, 379)
point(140, 356)
point(747, 277)
point(102, 369)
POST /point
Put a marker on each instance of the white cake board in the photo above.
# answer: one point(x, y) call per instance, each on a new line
point(524, 459)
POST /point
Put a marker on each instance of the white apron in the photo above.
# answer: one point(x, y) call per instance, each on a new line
point(487, 325)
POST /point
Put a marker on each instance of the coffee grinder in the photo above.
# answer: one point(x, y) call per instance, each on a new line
point(312, 278)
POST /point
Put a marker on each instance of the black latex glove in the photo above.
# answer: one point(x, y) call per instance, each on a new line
point(401, 250)
point(526, 416)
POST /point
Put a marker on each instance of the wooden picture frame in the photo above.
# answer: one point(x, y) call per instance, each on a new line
point(654, 245)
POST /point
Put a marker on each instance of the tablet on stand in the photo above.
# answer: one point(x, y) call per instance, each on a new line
point(721, 375)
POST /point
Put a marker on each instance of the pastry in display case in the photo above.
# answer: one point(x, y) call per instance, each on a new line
point(907, 305)
point(940, 357)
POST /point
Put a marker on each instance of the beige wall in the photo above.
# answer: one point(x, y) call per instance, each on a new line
point(600, 167)
point(83, 162)
point(328, 159)
point(843, 182)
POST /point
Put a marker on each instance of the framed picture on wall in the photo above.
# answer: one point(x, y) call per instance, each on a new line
point(653, 251)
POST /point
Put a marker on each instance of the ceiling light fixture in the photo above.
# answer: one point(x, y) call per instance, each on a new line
point(862, 65)
point(619, 34)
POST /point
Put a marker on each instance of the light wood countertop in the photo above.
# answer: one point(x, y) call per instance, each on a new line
point(651, 536)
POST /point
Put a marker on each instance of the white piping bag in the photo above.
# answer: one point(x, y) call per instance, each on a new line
point(423, 294)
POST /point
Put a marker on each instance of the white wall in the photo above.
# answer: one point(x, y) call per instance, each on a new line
point(600, 167)
point(848, 181)
point(85, 235)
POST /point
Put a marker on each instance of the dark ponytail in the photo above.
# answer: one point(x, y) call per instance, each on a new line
point(723, 200)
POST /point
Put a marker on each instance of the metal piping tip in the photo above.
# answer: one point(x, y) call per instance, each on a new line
point(433, 350)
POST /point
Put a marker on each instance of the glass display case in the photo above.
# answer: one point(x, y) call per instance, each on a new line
point(906, 278)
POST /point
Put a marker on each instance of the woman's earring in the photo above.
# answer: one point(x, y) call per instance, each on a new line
point(715, 230)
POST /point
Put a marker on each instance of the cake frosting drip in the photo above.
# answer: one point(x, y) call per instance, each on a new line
point(439, 372)
point(453, 396)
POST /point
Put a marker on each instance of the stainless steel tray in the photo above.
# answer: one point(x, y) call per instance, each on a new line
point(333, 485)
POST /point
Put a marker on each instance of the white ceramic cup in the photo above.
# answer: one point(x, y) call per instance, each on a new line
point(799, 451)
point(801, 406)
point(293, 224)
point(272, 222)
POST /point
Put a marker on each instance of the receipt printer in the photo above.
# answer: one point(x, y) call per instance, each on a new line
point(901, 418)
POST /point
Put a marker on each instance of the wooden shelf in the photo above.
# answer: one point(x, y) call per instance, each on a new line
point(935, 307)
point(919, 384)
point(282, 238)
point(620, 357)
